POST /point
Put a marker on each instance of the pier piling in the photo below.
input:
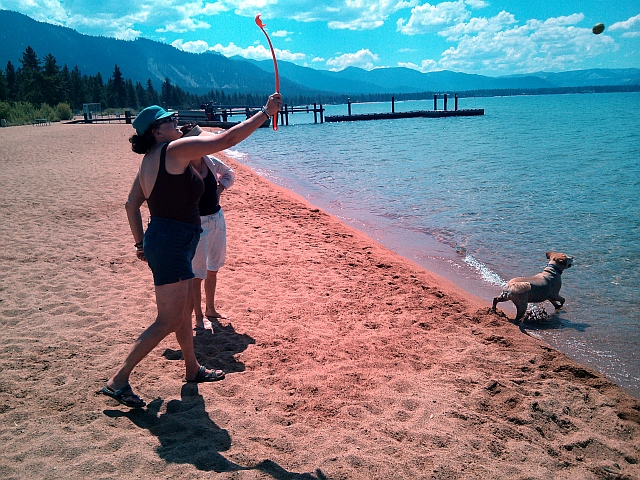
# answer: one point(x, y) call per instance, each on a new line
point(411, 114)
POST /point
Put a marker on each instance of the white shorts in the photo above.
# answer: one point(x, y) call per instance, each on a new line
point(212, 247)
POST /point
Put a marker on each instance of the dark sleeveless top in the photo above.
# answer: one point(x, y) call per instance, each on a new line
point(176, 196)
point(209, 201)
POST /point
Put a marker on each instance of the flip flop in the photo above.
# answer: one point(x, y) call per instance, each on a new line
point(217, 315)
point(120, 394)
point(203, 376)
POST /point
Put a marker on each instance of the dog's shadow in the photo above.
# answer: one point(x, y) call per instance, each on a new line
point(218, 349)
point(553, 322)
point(188, 436)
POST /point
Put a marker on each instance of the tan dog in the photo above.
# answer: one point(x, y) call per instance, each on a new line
point(543, 286)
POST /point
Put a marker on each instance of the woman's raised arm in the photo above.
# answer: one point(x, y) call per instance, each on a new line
point(185, 149)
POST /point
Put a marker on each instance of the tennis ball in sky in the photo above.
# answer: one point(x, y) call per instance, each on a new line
point(598, 28)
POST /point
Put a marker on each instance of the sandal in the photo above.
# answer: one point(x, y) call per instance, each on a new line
point(203, 376)
point(122, 393)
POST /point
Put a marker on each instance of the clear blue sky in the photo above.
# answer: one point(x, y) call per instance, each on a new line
point(487, 37)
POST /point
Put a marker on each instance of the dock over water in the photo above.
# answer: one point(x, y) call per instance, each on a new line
point(435, 113)
point(412, 114)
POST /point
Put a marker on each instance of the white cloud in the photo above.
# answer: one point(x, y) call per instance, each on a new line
point(288, 56)
point(127, 34)
point(257, 52)
point(118, 27)
point(478, 25)
point(362, 58)
point(627, 24)
point(425, 17)
point(338, 14)
point(550, 45)
point(50, 11)
point(123, 19)
point(476, 3)
point(424, 67)
point(281, 33)
point(317, 59)
point(357, 24)
point(253, 52)
point(198, 46)
point(184, 25)
point(214, 8)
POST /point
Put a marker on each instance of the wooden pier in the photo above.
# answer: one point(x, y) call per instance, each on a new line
point(412, 114)
point(219, 115)
point(108, 118)
point(435, 113)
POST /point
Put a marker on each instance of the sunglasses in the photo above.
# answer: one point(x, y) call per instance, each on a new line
point(172, 118)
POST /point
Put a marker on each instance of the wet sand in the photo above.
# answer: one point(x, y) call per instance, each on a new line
point(343, 359)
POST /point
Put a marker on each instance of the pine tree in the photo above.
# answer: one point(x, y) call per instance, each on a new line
point(166, 94)
point(76, 89)
point(65, 84)
point(96, 90)
point(3, 87)
point(29, 77)
point(51, 87)
point(117, 89)
point(12, 84)
point(141, 94)
point(152, 95)
point(132, 97)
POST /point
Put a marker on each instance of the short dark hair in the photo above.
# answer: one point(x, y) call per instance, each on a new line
point(142, 143)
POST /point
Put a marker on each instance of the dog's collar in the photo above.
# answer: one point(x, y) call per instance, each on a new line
point(555, 269)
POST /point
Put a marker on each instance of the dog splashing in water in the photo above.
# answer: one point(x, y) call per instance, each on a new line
point(539, 288)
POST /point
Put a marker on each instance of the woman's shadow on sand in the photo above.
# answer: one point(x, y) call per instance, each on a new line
point(187, 435)
point(218, 349)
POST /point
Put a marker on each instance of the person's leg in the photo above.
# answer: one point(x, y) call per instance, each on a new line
point(197, 302)
point(210, 294)
point(199, 266)
point(184, 335)
point(216, 254)
point(171, 301)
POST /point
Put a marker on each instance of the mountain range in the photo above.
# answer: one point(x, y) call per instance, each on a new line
point(144, 59)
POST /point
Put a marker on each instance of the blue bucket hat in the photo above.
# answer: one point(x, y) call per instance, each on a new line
point(146, 117)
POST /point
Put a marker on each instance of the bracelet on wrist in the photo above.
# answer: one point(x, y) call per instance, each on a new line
point(264, 110)
point(138, 246)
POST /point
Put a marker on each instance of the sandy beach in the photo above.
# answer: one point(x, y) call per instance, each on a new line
point(343, 359)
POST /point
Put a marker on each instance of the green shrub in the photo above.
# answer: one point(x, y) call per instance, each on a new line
point(46, 112)
point(24, 113)
point(63, 111)
point(21, 113)
point(5, 108)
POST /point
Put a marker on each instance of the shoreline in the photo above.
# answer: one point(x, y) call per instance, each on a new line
point(343, 359)
point(475, 279)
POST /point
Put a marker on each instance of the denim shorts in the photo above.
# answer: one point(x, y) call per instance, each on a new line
point(169, 246)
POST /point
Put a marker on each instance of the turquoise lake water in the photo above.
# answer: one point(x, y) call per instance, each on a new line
point(535, 173)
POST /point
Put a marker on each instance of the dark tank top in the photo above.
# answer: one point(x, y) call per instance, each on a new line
point(176, 196)
point(209, 201)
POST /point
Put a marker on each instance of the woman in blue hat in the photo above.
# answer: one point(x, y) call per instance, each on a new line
point(172, 189)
